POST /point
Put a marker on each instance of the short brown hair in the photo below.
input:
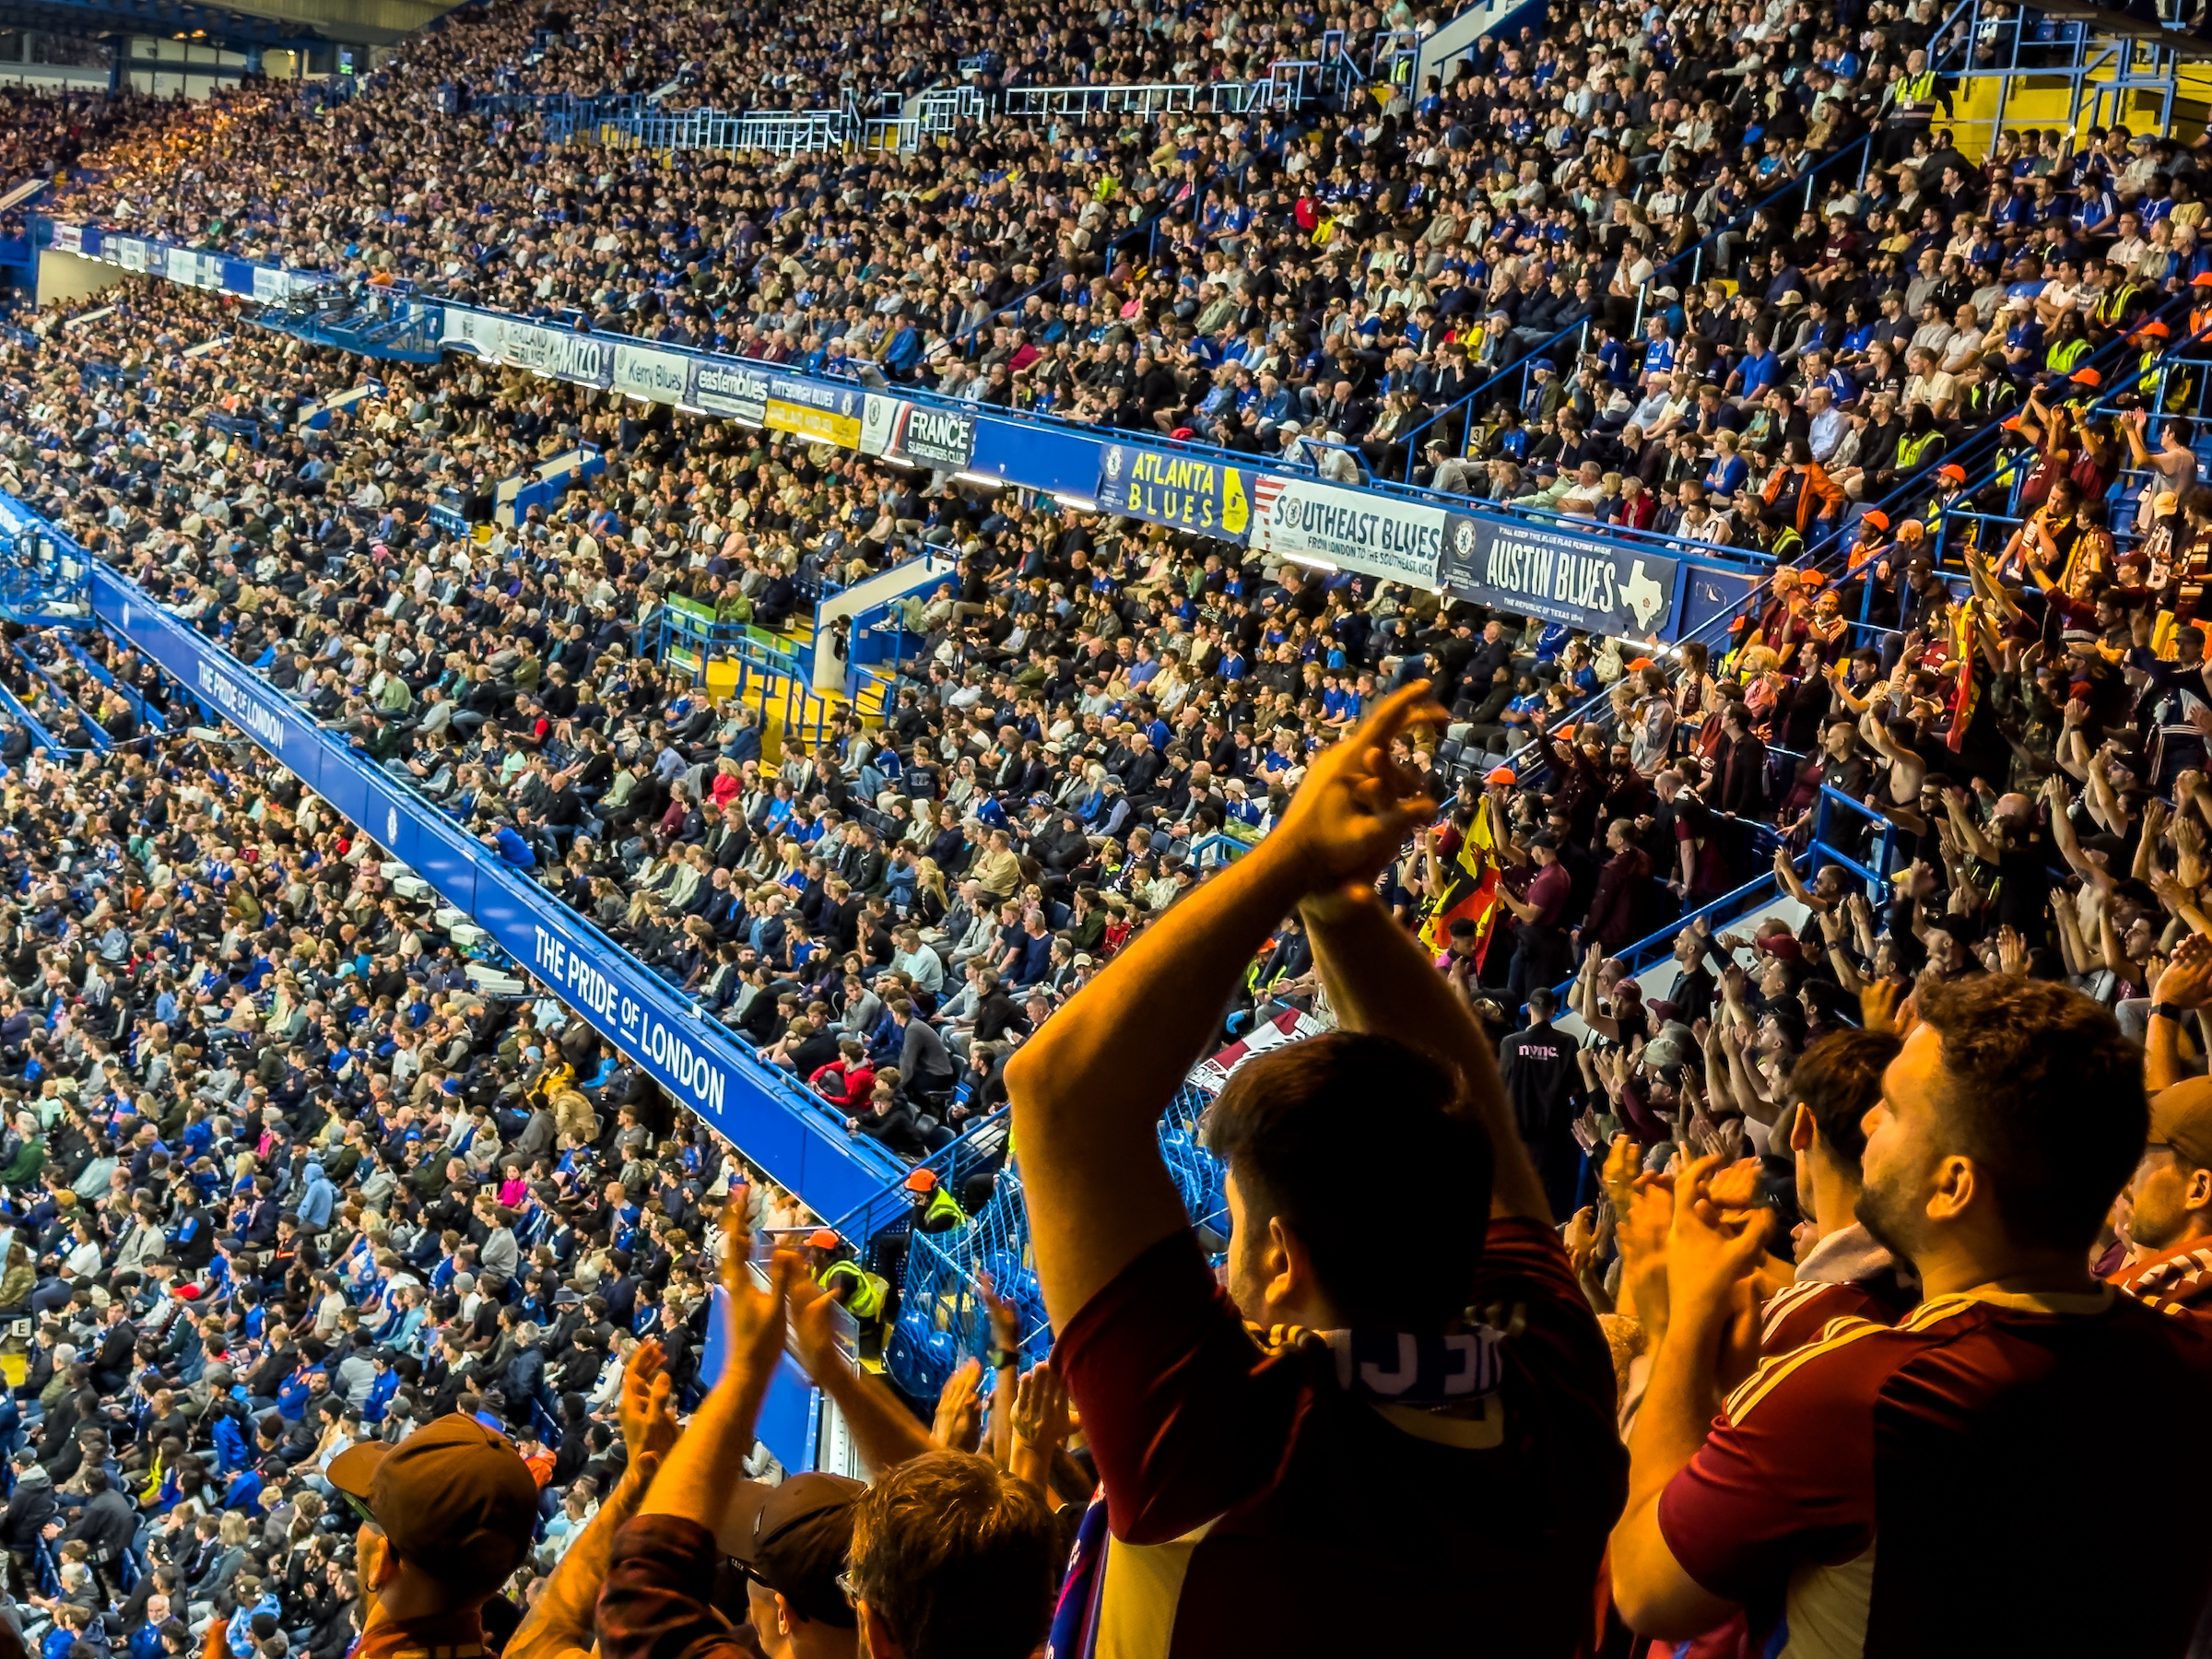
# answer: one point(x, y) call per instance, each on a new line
point(956, 1558)
point(2045, 1096)
point(1285, 1125)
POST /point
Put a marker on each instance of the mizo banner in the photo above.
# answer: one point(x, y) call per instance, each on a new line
point(1349, 529)
point(1607, 587)
point(561, 354)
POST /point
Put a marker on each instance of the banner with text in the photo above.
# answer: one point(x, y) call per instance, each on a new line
point(1349, 529)
point(732, 390)
point(1607, 587)
point(1186, 492)
point(943, 440)
point(828, 414)
point(643, 371)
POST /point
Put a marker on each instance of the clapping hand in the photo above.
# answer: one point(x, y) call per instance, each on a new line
point(1356, 806)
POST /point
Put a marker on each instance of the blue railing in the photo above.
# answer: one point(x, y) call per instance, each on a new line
point(943, 1318)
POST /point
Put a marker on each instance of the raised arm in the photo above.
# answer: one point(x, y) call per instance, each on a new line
point(1089, 1088)
point(564, 1622)
point(883, 1429)
point(1969, 832)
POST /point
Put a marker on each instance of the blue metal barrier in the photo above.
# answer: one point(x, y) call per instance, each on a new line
point(943, 1318)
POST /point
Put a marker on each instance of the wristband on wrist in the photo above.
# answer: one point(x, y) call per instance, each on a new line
point(2172, 1011)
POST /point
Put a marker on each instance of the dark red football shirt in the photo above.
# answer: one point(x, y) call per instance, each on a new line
point(1908, 1491)
point(1249, 1496)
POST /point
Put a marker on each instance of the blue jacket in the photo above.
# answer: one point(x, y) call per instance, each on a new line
point(514, 849)
point(317, 1202)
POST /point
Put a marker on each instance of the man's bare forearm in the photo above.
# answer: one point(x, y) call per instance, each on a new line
point(1088, 1090)
point(564, 1622)
point(885, 1430)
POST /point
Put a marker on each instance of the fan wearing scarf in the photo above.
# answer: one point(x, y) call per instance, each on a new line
point(1391, 1433)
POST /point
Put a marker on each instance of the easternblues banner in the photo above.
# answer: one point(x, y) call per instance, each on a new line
point(1607, 587)
point(1184, 491)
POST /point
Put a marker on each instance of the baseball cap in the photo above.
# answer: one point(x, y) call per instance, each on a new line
point(1502, 775)
point(454, 1498)
point(1877, 520)
point(797, 1540)
point(921, 1181)
point(2086, 377)
point(1953, 471)
point(2181, 1117)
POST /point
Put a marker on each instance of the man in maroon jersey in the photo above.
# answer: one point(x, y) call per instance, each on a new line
point(1428, 1466)
point(1901, 1492)
point(1846, 1274)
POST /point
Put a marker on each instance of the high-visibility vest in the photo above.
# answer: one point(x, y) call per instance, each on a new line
point(941, 1214)
point(1912, 445)
point(868, 1289)
point(1916, 92)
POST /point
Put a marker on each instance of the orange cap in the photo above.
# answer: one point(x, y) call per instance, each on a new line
point(1502, 775)
point(1952, 471)
point(921, 1181)
point(1880, 521)
point(823, 1237)
point(2155, 330)
point(2086, 377)
point(1640, 665)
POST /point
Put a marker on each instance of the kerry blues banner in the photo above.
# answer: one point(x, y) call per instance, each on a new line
point(1187, 492)
point(1607, 587)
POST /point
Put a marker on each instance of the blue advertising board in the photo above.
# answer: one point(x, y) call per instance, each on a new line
point(1184, 492)
point(796, 1139)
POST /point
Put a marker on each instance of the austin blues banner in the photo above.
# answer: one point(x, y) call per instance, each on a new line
point(1607, 587)
point(1188, 492)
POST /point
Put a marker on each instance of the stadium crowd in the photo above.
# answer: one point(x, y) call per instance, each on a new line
point(1348, 275)
point(309, 1228)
